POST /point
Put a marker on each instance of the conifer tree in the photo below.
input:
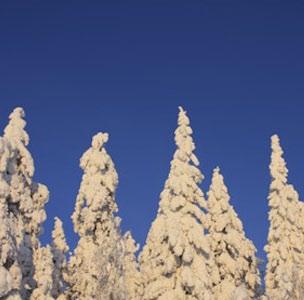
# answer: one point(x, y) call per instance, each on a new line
point(44, 268)
point(10, 271)
point(96, 268)
point(132, 276)
point(285, 237)
point(175, 260)
point(25, 199)
point(59, 249)
point(234, 254)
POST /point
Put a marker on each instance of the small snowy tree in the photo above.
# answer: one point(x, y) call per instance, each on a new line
point(96, 268)
point(25, 199)
point(285, 237)
point(44, 268)
point(132, 276)
point(59, 249)
point(175, 259)
point(234, 254)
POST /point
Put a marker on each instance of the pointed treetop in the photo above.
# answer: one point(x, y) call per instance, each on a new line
point(216, 171)
point(16, 125)
point(99, 140)
point(277, 166)
point(218, 188)
point(58, 236)
point(183, 140)
point(217, 181)
point(96, 157)
point(182, 117)
point(130, 244)
point(275, 139)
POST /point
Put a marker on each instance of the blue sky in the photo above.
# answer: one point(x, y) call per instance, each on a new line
point(79, 67)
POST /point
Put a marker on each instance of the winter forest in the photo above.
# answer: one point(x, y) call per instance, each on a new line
point(196, 248)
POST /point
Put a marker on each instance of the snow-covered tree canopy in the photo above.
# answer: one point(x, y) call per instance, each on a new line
point(174, 261)
point(234, 254)
point(285, 237)
point(96, 267)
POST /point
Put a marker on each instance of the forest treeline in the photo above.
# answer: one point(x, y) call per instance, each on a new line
point(196, 248)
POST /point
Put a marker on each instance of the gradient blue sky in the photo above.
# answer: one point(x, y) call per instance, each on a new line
point(79, 67)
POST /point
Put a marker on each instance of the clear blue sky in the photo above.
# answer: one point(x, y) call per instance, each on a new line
point(79, 67)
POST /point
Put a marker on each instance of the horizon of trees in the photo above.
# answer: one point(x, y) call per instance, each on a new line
point(196, 248)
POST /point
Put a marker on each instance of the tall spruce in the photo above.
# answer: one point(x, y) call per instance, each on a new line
point(175, 260)
point(10, 270)
point(285, 238)
point(23, 198)
point(234, 254)
point(96, 268)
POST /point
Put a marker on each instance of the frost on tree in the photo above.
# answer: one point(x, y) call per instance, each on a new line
point(234, 254)
point(132, 276)
point(96, 268)
point(176, 258)
point(285, 236)
point(23, 198)
point(59, 250)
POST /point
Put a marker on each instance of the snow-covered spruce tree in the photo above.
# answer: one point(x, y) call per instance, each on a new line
point(96, 268)
point(285, 236)
point(132, 276)
point(234, 254)
point(59, 250)
point(44, 268)
point(175, 259)
point(10, 271)
point(24, 198)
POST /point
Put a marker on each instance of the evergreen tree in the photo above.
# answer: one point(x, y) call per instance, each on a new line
point(234, 254)
point(44, 268)
point(175, 260)
point(132, 276)
point(96, 268)
point(10, 271)
point(285, 237)
point(24, 198)
point(59, 249)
